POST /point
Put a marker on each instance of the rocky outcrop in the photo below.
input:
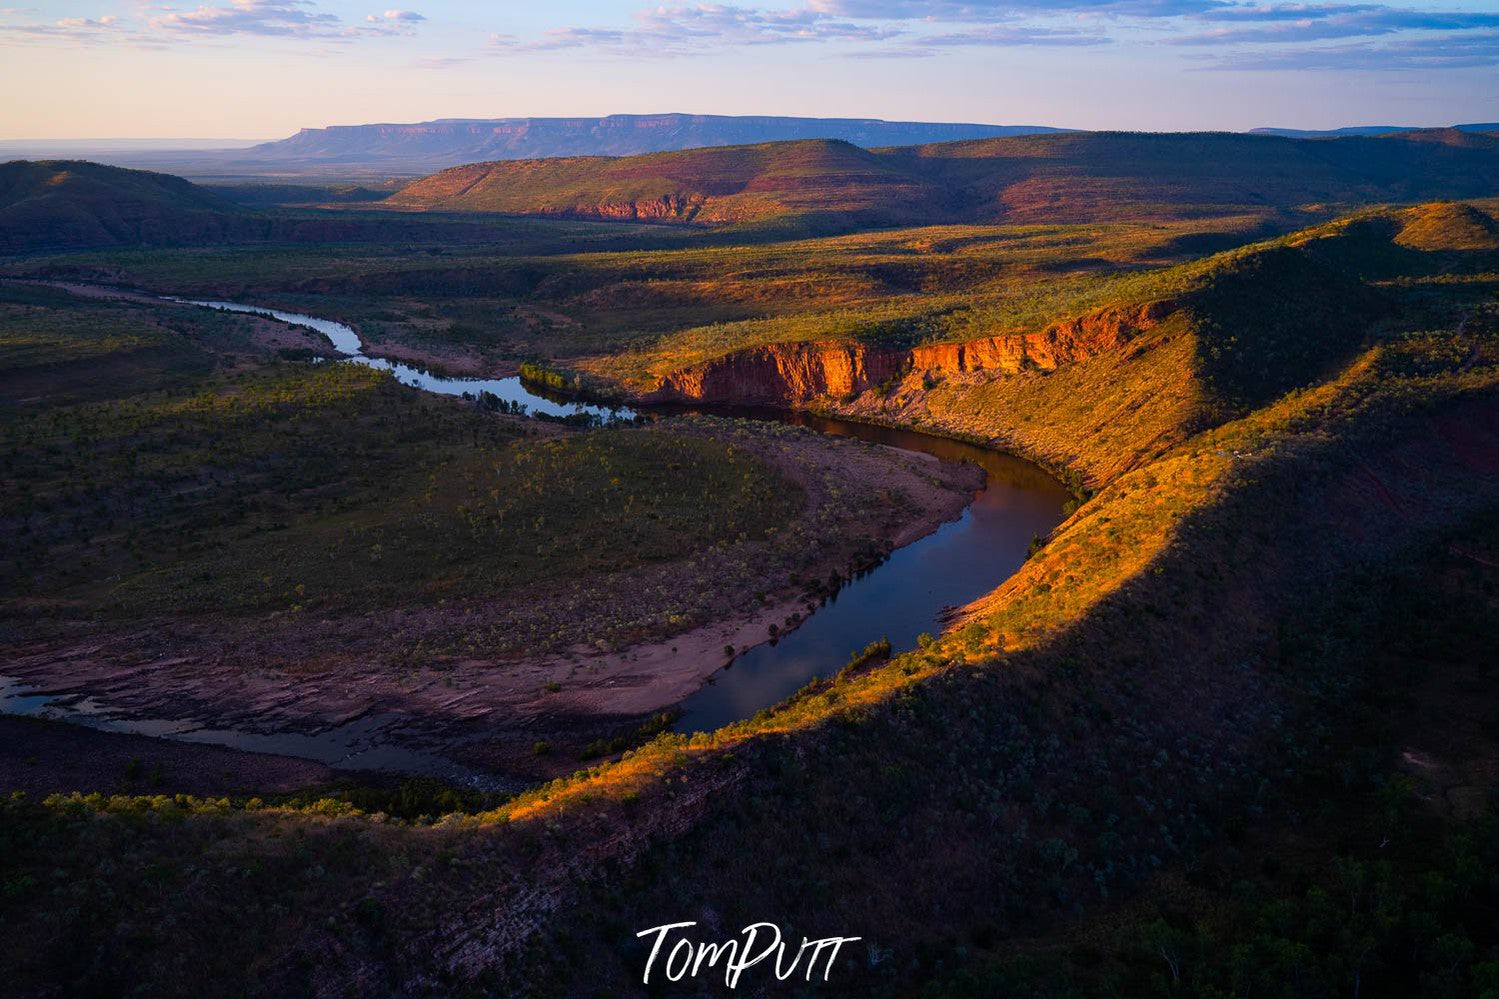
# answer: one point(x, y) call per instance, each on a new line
point(782, 374)
point(790, 374)
point(667, 208)
point(1058, 344)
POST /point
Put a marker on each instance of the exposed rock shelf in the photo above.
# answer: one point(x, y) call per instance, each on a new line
point(792, 374)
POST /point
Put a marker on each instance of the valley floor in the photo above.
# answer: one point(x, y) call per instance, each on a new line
point(298, 674)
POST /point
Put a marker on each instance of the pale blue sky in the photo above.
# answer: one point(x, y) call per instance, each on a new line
point(264, 68)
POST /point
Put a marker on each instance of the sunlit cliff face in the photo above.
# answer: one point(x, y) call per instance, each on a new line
point(796, 373)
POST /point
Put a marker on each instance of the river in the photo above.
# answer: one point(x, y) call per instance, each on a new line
point(899, 599)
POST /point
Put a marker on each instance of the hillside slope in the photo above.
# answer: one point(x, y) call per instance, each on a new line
point(1105, 175)
point(1328, 133)
point(1100, 391)
point(1068, 177)
point(730, 184)
point(71, 203)
point(53, 206)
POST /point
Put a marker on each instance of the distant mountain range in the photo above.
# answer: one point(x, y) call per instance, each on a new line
point(424, 147)
point(379, 151)
point(432, 145)
point(805, 186)
point(1333, 133)
point(38, 149)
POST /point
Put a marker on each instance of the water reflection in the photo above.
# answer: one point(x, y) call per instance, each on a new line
point(509, 390)
point(903, 597)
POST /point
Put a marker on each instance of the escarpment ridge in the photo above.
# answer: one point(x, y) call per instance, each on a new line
point(794, 374)
point(1062, 177)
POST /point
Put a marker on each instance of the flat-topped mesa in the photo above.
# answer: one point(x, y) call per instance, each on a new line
point(797, 373)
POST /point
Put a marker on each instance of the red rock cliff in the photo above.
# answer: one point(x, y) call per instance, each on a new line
point(796, 373)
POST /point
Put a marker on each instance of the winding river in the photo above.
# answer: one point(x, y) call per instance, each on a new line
point(899, 599)
point(907, 593)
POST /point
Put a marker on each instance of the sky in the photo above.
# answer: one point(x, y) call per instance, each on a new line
point(262, 69)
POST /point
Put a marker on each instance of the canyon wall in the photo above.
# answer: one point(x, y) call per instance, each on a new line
point(791, 374)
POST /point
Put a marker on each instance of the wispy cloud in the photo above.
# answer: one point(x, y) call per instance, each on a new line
point(1469, 50)
point(1017, 35)
point(886, 27)
point(443, 62)
point(756, 26)
point(276, 18)
point(158, 25)
point(696, 29)
point(401, 22)
point(19, 24)
point(979, 11)
point(1228, 33)
point(1286, 11)
point(988, 36)
point(1302, 23)
point(1240, 33)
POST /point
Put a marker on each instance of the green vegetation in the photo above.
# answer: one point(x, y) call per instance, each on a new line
point(546, 378)
point(216, 480)
point(1088, 176)
point(69, 203)
point(265, 195)
point(651, 728)
point(66, 205)
point(1159, 695)
point(1365, 874)
point(331, 488)
point(813, 177)
point(641, 302)
point(1232, 331)
point(1228, 731)
point(874, 652)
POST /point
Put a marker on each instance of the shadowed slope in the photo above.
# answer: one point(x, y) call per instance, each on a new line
point(1116, 174)
point(66, 203)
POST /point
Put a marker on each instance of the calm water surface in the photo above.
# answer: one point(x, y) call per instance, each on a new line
point(347, 343)
point(906, 594)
